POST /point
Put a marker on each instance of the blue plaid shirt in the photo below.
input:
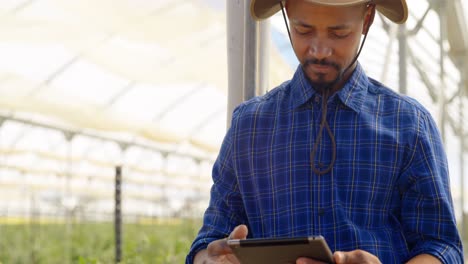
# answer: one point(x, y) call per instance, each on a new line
point(388, 192)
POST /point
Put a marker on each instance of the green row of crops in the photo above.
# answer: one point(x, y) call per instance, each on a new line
point(94, 243)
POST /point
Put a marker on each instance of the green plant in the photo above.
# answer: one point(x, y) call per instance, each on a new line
point(94, 243)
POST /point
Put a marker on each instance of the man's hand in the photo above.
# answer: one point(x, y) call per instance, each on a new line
point(218, 252)
point(351, 257)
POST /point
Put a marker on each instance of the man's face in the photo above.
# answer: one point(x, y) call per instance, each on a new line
point(325, 39)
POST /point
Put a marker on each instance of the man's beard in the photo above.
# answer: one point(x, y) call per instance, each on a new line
point(321, 85)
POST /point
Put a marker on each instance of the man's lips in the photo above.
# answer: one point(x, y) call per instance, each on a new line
point(320, 68)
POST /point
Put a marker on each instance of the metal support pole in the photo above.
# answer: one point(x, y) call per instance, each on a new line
point(118, 214)
point(263, 57)
point(392, 34)
point(402, 51)
point(441, 97)
point(250, 53)
point(248, 49)
point(68, 195)
point(235, 54)
point(463, 80)
point(462, 167)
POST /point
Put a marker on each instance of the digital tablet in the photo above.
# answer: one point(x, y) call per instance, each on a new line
point(280, 250)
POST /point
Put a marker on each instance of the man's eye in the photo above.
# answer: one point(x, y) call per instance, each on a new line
point(302, 31)
point(340, 35)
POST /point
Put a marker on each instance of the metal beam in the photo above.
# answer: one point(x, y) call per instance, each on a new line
point(419, 25)
point(69, 131)
point(127, 88)
point(248, 48)
point(457, 31)
point(423, 75)
point(250, 53)
point(177, 102)
point(461, 132)
point(402, 51)
point(392, 34)
point(442, 10)
point(235, 55)
point(263, 57)
point(20, 7)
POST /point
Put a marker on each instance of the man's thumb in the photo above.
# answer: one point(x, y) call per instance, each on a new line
point(339, 257)
point(240, 232)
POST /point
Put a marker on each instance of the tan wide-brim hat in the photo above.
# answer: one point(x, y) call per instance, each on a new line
point(395, 10)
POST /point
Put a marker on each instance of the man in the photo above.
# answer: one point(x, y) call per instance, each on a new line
point(332, 153)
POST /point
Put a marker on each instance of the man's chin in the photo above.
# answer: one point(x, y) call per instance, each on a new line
point(322, 86)
point(322, 81)
point(322, 78)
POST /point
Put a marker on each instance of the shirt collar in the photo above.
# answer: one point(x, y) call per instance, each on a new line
point(352, 94)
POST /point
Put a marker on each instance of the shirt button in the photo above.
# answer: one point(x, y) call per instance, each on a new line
point(317, 99)
point(321, 212)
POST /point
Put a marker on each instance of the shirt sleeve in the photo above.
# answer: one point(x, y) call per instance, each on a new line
point(427, 212)
point(225, 210)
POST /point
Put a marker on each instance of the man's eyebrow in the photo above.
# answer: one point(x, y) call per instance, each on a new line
point(339, 27)
point(302, 24)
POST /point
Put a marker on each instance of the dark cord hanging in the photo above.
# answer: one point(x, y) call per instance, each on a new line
point(325, 96)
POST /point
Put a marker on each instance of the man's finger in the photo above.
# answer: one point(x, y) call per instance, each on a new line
point(355, 256)
point(220, 247)
point(339, 257)
point(240, 232)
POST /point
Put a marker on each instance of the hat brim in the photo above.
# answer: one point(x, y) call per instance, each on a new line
point(395, 10)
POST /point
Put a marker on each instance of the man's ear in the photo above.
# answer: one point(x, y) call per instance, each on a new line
point(369, 19)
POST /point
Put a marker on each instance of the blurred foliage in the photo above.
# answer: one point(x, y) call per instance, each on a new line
point(94, 243)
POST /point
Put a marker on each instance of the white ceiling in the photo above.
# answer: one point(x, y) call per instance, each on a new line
point(138, 67)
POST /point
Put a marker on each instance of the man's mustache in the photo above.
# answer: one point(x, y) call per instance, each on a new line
point(322, 62)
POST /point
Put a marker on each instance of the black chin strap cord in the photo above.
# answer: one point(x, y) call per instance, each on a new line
point(325, 96)
point(286, 21)
point(318, 140)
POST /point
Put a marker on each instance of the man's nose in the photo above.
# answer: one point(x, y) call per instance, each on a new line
point(320, 49)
